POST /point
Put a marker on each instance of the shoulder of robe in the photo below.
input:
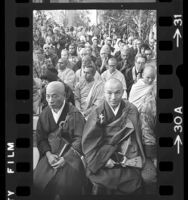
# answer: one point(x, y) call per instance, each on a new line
point(132, 107)
point(99, 109)
point(72, 108)
point(45, 112)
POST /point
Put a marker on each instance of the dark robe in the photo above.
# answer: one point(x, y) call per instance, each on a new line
point(69, 179)
point(100, 142)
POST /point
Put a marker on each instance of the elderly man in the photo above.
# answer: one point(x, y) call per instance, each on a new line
point(105, 54)
point(111, 144)
point(88, 91)
point(125, 59)
point(86, 60)
point(112, 72)
point(59, 130)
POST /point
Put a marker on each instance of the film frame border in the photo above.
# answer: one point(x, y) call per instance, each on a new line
point(19, 95)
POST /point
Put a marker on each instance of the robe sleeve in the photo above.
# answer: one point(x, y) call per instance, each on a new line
point(42, 138)
point(76, 126)
point(134, 116)
point(95, 150)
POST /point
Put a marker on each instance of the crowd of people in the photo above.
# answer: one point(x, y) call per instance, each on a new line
point(94, 107)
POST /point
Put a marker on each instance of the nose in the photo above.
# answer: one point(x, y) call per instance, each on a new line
point(113, 96)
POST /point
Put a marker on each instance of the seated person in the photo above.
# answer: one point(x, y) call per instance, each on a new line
point(49, 75)
point(60, 170)
point(124, 61)
point(105, 54)
point(88, 91)
point(73, 57)
point(143, 87)
point(111, 144)
point(65, 56)
point(80, 72)
point(66, 74)
point(133, 74)
point(112, 72)
point(143, 95)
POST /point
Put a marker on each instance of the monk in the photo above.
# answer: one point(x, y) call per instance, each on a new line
point(60, 126)
point(143, 87)
point(143, 96)
point(112, 146)
point(88, 91)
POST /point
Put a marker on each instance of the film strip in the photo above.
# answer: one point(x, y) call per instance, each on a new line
point(19, 82)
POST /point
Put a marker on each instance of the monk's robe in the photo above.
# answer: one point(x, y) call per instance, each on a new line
point(102, 138)
point(68, 179)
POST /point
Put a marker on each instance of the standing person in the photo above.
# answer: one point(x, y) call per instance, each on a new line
point(111, 138)
point(56, 176)
point(112, 72)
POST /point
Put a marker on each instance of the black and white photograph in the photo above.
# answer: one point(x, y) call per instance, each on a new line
point(94, 102)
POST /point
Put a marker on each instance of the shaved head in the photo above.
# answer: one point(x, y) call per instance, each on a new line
point(149, 74)
point(55, 95)
point(113, 82)
point(113, 89)
point(56, 86)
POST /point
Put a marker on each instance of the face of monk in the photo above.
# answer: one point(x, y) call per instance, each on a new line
point(55, 95)
point(113, 92)
point(148, 75)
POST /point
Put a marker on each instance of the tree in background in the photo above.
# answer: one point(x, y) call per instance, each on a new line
point(135, 22)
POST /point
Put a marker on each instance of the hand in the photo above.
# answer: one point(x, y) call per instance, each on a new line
point(110, 163)
point(59, 163)
point(123, 163)
point(52, 158)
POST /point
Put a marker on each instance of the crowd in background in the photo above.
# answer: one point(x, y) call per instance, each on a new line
point(84, 58)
